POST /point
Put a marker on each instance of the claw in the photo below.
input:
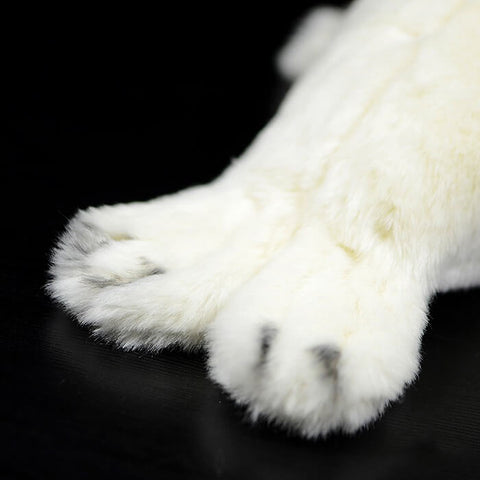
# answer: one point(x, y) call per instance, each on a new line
point(329, 356)
point(268, 333)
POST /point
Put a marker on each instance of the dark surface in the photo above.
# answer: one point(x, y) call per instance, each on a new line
point(120, 106)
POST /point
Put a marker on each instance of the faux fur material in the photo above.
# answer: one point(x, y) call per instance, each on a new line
point(306, 269)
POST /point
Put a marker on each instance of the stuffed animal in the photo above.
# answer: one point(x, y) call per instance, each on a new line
point(306, 269)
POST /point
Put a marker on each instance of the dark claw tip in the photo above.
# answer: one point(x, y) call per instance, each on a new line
point(329, 355)
point(101, 282)
point(152, 268)
point(267, 335)
point(156, 271)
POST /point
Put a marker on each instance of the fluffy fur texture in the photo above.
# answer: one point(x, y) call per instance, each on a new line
point(306, 268)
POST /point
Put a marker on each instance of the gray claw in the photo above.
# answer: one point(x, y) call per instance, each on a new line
point(268, 334)
point(329, 356)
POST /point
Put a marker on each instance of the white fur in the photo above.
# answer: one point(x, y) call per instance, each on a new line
point(307, 267)
point(310, 40)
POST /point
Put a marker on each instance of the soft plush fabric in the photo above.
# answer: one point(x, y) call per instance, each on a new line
point(306, 269)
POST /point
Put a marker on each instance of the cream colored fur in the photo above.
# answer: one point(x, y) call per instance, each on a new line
point(306, 269)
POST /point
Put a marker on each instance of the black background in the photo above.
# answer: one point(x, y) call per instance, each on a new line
point(121, 105)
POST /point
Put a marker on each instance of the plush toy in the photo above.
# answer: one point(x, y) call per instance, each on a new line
point(306, 268)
